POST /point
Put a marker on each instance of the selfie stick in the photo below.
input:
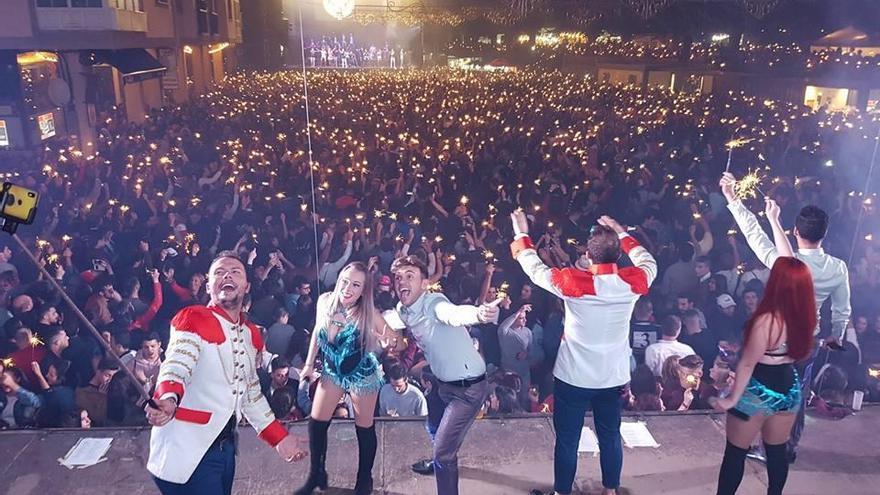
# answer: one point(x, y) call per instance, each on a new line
point(125, 370)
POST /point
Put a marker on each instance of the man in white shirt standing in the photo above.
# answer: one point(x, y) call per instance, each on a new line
point(514, 338)
point(830, 275)
point(438, 327)
point(593, 363)
point(656, 354)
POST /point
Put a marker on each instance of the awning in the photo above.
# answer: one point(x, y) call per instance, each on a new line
point(135, 64)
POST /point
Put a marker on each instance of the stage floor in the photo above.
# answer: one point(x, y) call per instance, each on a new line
point(500, 456)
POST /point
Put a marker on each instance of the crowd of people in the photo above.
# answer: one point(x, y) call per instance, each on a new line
point(721, 54)
point(427, 164)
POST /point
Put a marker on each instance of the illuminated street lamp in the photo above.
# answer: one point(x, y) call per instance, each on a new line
point(339, 9)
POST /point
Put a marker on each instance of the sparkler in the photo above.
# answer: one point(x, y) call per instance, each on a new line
point(749, 185)
point(731, 145)
point(7, 362)
point(502, 290)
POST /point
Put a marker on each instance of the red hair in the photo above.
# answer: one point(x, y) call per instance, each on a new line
point(790, 299)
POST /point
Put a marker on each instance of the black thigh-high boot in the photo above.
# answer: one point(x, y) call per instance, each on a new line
point(367, 445)
point(777, 467)
point(318, 453)
point(732, 468)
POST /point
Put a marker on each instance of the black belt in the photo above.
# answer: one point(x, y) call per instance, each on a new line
point(467, 382)
point(227, 434)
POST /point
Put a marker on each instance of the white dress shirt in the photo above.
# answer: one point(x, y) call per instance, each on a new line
point(656, 354)
point(594, 352)
point(830, 275)
point(439, 329)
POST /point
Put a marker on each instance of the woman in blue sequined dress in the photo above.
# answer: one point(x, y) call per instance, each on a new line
point(766, 393)
point(350, 335)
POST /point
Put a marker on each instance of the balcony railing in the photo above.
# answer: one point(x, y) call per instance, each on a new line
point(90, 19)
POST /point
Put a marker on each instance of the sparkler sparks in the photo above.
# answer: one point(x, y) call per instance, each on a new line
point(733, 144)
point(749, 185)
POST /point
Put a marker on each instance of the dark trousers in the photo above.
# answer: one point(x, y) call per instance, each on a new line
point(570, 406)
point(805, 370)
point(435, 411)
point(213, 475)
point(458, 408)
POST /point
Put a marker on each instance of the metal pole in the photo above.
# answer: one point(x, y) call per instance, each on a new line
point(127, 372)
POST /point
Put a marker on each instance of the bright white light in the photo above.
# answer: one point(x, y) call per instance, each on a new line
point(339, 9)
point(829, 163)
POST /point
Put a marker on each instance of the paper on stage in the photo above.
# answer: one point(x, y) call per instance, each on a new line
point(589, 442)
point(637, 435)
point(86, 452)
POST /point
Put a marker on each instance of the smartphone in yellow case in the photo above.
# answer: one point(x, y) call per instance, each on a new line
point(18, 204)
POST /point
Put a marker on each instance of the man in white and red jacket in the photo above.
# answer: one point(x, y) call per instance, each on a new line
point(206, 384)
point(593, 363)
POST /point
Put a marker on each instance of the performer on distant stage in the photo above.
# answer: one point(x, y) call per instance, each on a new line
point(349, 331)
point(438, 327)
point(830, 277)
point(593, 363)
point(206, 384)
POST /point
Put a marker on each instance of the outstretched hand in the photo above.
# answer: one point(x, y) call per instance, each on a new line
point(728, 186)
point(607, 221)
point(488, 312)
point(520, 222)
point(772, 210)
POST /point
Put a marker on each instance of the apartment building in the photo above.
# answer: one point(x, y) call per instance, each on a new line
point(63, 61)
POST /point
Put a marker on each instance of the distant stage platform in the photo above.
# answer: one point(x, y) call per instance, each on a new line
point(500, 456)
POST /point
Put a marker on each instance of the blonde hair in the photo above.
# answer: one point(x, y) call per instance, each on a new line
point(364, 308)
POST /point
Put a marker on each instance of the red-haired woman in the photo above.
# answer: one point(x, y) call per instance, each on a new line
point(766, 393)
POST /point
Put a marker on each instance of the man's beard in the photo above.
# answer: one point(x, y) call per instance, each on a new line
point(233, 303)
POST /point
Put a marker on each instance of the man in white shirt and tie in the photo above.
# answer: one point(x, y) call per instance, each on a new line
point(830, 275)
point(438, 327)
point(593, 363)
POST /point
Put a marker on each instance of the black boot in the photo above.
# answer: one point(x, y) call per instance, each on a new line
point(367, 444)
point(318, 453)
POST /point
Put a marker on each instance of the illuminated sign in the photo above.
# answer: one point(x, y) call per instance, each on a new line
point(46, 122)
point(4, 135)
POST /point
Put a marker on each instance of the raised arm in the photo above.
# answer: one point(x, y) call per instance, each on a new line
point(639, 256)
point(756, 238)
point(463, 314)
point(337, 265)
point(442, 211)
point(783, 247)
point(143, 321)
point(524, 252)
point(487, 283)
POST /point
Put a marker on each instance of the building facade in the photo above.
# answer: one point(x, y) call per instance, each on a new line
point(63, 61)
